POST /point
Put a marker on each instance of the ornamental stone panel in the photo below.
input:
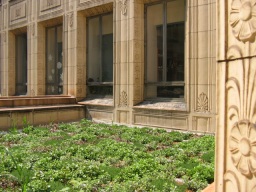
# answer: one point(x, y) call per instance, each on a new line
point(236, 133)
point(18, 12)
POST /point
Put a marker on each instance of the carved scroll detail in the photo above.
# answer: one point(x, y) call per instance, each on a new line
point(233, 180)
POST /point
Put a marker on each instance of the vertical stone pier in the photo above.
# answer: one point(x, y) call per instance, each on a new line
point(236, 127)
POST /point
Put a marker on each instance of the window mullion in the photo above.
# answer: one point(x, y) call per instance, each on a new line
point(100, 45)
point(164, 42)
point(56, 83)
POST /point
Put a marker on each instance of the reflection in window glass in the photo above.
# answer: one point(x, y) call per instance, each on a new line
point(100, 55)
point(21, 64)
point(165, 49)
point(54, 66)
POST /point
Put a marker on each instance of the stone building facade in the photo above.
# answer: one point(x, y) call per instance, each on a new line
point(137, 62)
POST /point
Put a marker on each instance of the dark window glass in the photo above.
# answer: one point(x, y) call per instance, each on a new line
point(21, 64)
point(100, 55)
point(165, 39)
point(54, 66)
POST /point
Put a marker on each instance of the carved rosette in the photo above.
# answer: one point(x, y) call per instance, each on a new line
point(243, 19)
point(243, 147)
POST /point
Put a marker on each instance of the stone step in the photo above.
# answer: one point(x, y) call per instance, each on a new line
point(17, 101)
point(11, 117)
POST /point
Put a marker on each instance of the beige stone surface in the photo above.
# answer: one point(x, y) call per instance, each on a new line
point(236, 133)
point(34, 16)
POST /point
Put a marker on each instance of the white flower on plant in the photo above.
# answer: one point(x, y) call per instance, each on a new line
point(243, 18)
point(243, 147)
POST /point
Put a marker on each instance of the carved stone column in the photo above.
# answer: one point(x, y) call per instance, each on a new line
point(32, 34)
point(4, 49)
point(74, 51)
point(121, 61)
point(236, 129)
point(129, 57)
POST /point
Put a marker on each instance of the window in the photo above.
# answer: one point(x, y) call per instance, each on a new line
point(21, 64)
point(100, 55)
point(54, 67)
point(165, 34)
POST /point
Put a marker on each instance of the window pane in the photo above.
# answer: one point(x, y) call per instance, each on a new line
point(165, 39)
point(59, 66)
point(107, 58)
point(107, 24)
point(107, 48)
point(100, 55)
point(50, 57)
point(155, 43)
point(21, 64)
point(54, 66)
point(175, 41)
point(170, 92)
point(94, 50)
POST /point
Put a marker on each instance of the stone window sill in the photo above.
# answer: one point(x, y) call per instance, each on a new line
point(162, 105)
point(98, 101)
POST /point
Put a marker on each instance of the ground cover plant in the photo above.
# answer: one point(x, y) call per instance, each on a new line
point(87, 156)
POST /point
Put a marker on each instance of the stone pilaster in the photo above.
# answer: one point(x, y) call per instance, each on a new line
point(129, 57)
point(236, 129)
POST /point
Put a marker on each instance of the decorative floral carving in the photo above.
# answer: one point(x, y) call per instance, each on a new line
point(123, 6)
point(202, 103)
point(232, 178)
point(32, 93)
point(49, 3)
point(241, 110)
point(123, 101)
point(243, 18)
point(71, 19)
point(243, 147)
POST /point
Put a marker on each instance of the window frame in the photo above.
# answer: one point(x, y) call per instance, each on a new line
point(164, 82)
point(98, 83)
point(56, 81)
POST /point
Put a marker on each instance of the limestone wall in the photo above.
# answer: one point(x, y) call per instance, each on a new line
point(196, 111)
point(236, 133)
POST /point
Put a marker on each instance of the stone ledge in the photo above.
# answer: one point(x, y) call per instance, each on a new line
point(98, 101)
point(162, 105)
point(34, 108)
point(210, 188)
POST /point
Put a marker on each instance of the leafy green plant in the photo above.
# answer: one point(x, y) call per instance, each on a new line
point(21, 174)
point(86, 156)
